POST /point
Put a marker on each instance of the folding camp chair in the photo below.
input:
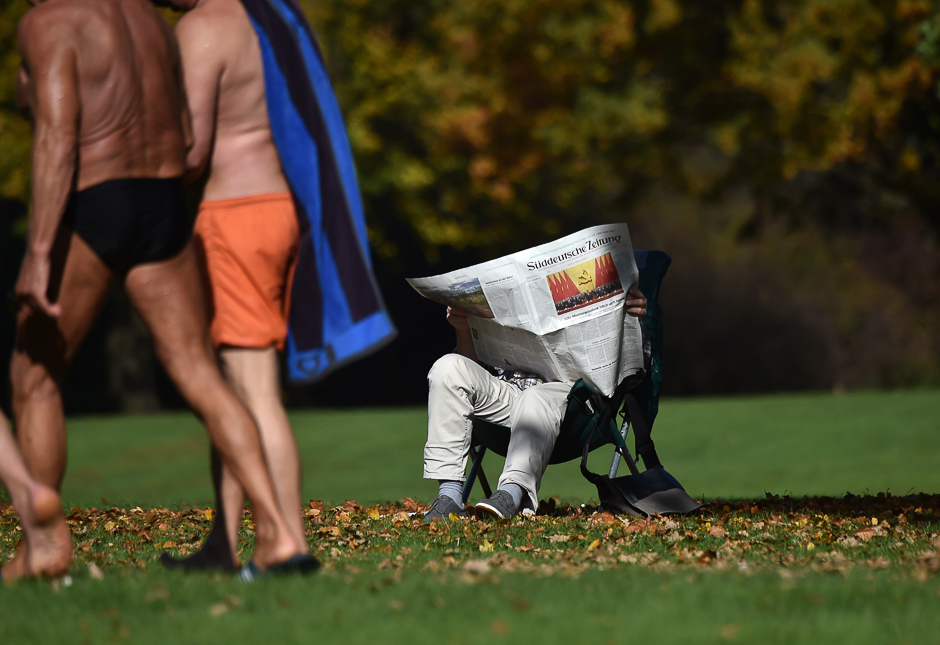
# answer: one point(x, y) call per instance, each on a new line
point(651, 492)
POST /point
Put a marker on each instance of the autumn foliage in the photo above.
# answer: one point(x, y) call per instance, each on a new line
point(785, 153)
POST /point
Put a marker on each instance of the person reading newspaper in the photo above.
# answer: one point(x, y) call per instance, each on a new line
point(462, 389)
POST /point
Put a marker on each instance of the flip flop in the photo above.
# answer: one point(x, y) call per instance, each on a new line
point(301, 563)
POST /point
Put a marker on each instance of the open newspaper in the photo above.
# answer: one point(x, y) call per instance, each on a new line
point(555, 309)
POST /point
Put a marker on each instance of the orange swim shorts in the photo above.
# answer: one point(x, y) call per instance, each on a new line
point(249, 247)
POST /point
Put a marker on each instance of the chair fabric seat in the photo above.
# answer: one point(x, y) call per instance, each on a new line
point(495, 438)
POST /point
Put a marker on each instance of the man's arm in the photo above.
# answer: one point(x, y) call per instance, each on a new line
point(50, 85)
point(461, 323)
point(202, 70)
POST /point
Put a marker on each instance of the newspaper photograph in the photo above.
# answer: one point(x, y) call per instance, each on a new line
point(556, 309)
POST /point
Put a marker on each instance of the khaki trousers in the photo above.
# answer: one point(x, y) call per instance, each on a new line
point(459, 390)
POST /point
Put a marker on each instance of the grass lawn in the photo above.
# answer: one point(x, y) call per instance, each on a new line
point(808, 444)
point(860, 568)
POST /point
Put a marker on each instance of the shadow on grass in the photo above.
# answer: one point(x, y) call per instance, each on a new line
point(920, 507)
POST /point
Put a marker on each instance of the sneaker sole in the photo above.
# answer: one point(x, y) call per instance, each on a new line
point(441, 518)
point(483, 511)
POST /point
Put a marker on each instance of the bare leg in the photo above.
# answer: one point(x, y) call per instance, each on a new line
point(253, 374)
point(44, 347)
point(220, 548)
point(47, 535)
point(169, 298)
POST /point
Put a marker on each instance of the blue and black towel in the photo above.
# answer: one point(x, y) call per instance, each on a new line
point(337, 313)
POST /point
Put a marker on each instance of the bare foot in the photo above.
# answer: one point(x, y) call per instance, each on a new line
point(47, 548)
point(273, 550)
point(17, 567)
point(46, 504)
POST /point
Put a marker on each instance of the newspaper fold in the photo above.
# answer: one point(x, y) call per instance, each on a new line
point(555, 309)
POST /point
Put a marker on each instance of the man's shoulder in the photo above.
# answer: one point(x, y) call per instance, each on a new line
point(47, 19)
point(210, 19)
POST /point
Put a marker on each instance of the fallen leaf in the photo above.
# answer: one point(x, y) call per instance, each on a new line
point(559, 538)
point(478, 567)
point(217, 609)
point(729, 631)
point(335, 531)
point(865, 534)
point(593, 545)
point(500, 627)
point(929, 561)
point(717, 531)
point(374, 514)
point(486, 547)
point(95, 571)
point(160, 592)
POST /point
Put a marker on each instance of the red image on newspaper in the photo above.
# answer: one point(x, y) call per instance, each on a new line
point(585, 284)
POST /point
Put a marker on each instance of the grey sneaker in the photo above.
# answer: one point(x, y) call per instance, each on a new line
point(442, 508)
point(500, 506)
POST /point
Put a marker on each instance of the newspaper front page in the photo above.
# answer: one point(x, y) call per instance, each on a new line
point(556, 310)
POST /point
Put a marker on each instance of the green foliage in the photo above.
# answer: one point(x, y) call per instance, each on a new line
point(795, 141)
point(929, 45)
point(480, 121)
point(15, 138)
point(785, 153)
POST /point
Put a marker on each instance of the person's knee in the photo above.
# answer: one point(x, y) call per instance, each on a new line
point(192, 370)
point(32, 380)
point(450, 371)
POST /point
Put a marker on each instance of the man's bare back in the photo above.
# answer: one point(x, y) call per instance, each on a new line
point(102, 81)
point(225, 87)
point(126, 65)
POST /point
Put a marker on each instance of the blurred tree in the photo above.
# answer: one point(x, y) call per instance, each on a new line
point(785, 152)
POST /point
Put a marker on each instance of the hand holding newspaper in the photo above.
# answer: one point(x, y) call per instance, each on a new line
point(556, 310)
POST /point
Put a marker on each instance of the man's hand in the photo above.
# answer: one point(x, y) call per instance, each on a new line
point(458, 318)
point(636, 305)
point(33, 284)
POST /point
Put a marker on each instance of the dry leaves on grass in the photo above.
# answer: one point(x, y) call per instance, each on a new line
point(828, 534)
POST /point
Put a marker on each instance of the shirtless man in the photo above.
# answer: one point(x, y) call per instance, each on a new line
point(102, 81)
point(248, 232)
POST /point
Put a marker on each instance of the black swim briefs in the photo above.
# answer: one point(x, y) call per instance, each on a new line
point(131, 221)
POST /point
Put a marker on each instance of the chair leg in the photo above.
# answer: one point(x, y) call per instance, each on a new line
point(615, 461)
point(476, 468)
